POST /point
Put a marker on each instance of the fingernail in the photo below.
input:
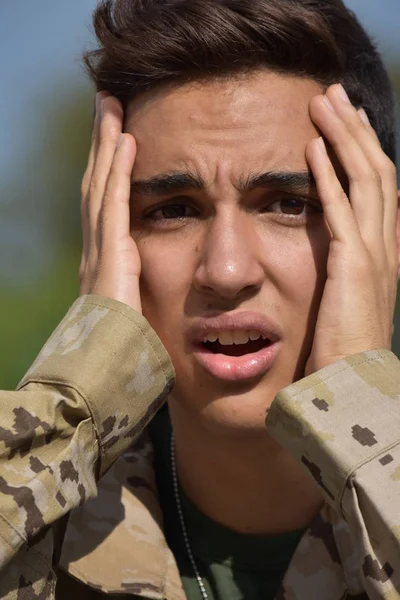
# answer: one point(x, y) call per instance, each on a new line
point(363, 116)
point(343, 94)
point(328, 103)
point(121, 139)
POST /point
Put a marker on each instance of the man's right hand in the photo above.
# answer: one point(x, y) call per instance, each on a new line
point(110, 263)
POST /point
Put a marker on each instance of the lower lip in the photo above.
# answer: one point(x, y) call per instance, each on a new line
point(237, 368)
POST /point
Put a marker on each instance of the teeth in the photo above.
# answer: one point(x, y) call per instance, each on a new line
point(211, 337)
point(227, 338)
point(240, 337)
point(255, 335)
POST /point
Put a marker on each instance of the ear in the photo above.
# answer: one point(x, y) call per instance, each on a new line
point(398, 232)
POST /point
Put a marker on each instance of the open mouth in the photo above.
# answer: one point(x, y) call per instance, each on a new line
point(236, 347)
point(250, 347)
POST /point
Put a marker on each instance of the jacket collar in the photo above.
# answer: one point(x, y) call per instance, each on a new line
point(115, 543)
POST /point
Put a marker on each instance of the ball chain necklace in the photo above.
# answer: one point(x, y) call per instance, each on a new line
point(182, 520)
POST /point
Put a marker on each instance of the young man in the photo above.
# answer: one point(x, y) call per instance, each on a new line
point(249, 210)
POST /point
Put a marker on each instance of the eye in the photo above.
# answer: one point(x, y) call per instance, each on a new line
point(293, 207)
point(171, 211)
point(288, 206)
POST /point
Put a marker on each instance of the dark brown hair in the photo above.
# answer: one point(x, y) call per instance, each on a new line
point(145, 44)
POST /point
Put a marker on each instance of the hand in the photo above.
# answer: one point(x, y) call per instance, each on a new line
point(357, 305)
point(110, 263)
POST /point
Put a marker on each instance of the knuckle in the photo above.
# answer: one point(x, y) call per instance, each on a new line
point(114, 132)
point(108, 137)
point(388, 168)
point(95, 185)
point(342, 196)
point(106, 226)
point(367, 175)
point(85, 183)
point(330, 171)
point(84, 189)
point(109, 131)
point(363, 264)
point(108, 197)
point(360, 258)
point(375, 177)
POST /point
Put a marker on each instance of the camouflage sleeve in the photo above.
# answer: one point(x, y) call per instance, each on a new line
point(343, 424)
point(95, 385)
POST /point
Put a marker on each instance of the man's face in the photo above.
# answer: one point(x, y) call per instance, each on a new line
point(217, 240)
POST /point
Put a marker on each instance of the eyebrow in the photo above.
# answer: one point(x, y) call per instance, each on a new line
point(288, 180)
point(168, 183)
point(177, 182)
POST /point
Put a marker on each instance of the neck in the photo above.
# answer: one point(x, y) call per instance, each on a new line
point(250, 485)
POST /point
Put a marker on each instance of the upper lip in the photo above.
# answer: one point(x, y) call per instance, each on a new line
point(244, 321)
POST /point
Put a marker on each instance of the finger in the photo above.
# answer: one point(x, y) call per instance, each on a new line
point(388, 173)
point(110, 127)
point(115, 215)
point(100, 96)
point(358, 124)
point(367, 123)
point(365, 189)
point(83, 280)
point(86, 182)
point(338, 213)
point(364, 135)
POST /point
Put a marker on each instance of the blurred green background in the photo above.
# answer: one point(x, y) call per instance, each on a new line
point(45, 123)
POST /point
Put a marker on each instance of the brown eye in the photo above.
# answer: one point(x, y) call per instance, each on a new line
point(174, 211)
point(291, 210)
point(292, 206)
point(170, 212)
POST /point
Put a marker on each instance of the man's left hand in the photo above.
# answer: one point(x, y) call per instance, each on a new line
point(358, 301)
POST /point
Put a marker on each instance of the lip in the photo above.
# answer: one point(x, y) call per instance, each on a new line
point(236, 368)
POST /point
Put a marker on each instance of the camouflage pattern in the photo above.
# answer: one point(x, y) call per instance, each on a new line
point(83, 417)
point(122, 528)
point(85, 400)
point(343, 424)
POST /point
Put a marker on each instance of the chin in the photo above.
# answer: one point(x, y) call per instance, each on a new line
point(229, 408)
point(241, 414)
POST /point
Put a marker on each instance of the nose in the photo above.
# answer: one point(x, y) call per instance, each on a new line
point(231, 263)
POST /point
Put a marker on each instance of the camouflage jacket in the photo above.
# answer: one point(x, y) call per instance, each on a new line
point(73, 439)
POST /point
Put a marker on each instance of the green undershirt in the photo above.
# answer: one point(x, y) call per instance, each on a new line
point(233, 566)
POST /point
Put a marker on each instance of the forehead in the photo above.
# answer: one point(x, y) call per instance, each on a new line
point(224, 128)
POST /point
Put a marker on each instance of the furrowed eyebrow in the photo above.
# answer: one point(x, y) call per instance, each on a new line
point(176, 182)
point(169, 183)
point(288, 180)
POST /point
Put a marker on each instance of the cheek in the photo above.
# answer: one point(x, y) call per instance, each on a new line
point(301, 270)
point(165, 278)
